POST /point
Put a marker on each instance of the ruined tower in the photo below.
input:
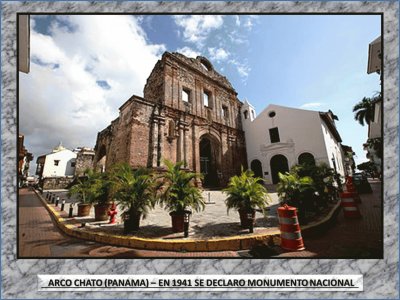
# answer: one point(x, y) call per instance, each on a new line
point(189, 113)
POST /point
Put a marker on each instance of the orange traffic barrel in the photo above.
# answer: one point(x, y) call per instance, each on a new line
point(350, 208)
point(291, 238)
point(349, 180)
point(356, 196)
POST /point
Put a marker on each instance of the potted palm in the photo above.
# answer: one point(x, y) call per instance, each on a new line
point(135, 192)
point(245, 194)
point(180, 194)
point(86, 191)
point(103, 185)
point(295, 191)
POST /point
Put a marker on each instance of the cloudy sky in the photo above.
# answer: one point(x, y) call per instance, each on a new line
point(84, 67)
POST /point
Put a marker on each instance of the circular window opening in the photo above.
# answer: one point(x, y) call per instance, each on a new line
point(272, 114)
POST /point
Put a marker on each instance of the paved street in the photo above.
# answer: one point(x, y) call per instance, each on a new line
point(38, 236)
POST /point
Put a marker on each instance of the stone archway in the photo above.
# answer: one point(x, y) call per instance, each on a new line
point(279, 164)
point(256, 167)
point(306, 158)
point(210, 160)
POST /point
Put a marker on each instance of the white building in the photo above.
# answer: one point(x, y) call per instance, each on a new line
point(59, 163)
point(281, 137)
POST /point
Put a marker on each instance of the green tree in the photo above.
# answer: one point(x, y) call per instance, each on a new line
point(88, 188)
point(179, 190)
point(246, 192)
point(364, 110)
point(134, 190)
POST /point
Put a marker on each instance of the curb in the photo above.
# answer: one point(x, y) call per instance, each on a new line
point(235, 243)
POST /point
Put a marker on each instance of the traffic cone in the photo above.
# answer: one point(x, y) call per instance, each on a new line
point(291, 238)
point(350, 208)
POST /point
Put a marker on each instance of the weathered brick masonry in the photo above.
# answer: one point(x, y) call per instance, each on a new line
point(208, 137)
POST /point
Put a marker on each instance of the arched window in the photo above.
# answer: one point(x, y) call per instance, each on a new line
point(306, 158)
point(256, 167)
point(246, 114)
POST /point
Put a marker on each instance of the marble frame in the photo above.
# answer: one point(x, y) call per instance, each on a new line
point(381, 276)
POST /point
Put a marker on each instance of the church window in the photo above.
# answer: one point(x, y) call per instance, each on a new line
point(224, 112)
point(274, 135)
point(207, 99)
point(185, 95)
point(246, 114)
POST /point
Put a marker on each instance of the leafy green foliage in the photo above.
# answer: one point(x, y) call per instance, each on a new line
point(89, 189)
point(246, 192)
point(368, 166)
point(179, 190)
point(364, 110)
point(134, 190)
point(293, 189)
point(323, 178)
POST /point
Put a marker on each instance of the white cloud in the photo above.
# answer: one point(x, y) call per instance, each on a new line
point(311, 105)
point(218, 54)
point(242, 68)
point(189, 52)
point(237, 20)
point(249, 22)
point(196, 28)
point(79, 77)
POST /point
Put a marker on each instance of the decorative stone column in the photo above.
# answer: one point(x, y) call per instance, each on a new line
point(154, 138)
point(182, 144)
point(161, 126)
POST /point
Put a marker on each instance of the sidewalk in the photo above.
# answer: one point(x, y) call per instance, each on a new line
point(39, 237)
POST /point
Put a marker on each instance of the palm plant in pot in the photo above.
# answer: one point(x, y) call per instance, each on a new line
point(245, 194)
point(296, 191)
point(180, 194)
point(86, 191)
point(135, 192)
point(103, 185)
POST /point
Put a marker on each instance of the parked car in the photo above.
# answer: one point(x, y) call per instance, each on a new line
point(361, 183)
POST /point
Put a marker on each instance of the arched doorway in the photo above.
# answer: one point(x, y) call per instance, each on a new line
point(256, 167)
point(209, 161)
point(306, 158)
point(279, 164)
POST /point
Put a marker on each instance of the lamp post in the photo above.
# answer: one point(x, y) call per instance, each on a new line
point(71, 210)
point(250, 220)
point(186, 216)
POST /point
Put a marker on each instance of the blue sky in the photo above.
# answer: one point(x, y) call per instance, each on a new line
point(84, 67)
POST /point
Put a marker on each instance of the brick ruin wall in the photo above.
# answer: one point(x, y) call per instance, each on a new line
point(162, 126)
point(56, 183)
point(83, 162)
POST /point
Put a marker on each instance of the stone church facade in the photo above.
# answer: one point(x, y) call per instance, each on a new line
point(189, 113)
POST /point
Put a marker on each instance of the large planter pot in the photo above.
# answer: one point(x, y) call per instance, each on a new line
point(244, 219)
point(178, 220)
point(101, 210)
point(131, 222)
point(84, 209)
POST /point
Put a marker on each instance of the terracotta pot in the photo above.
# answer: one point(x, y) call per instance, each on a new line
point(132, 222)
point(101, 210)
point(84, 209)
point(178, 221)
point(244, 219)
